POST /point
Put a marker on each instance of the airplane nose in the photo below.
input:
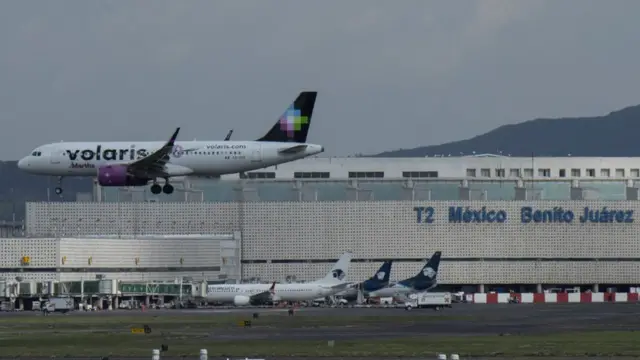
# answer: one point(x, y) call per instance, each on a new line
point(22, 163)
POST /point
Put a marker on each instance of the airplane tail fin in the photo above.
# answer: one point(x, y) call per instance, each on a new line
point(381, 278)
point(430, 270)
point(383, 274)
point(294, 123)
point(340, 270)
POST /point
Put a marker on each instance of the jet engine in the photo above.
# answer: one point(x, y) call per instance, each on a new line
point(240, 300)
point(117, 175)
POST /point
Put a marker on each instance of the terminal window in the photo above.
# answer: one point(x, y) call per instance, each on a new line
point(500, 173)
point(485, 172)
point(528, 173)
point(591, 172)
point(635, 173)
point(471, 172)
point(605, 173)
point(311, 175)
point(514, 172)
point(575, 172)
point(258, 175)
point(365, 174)
point(562, 173)
point(544, 172)
point(620, 173)
point(419, 174)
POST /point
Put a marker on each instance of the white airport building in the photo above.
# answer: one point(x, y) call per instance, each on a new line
point(500, 221)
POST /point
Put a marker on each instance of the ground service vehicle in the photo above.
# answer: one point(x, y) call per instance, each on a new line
point(61, 304)
point(431, 300)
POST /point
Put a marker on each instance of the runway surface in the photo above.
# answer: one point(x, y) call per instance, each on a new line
point(469, 320)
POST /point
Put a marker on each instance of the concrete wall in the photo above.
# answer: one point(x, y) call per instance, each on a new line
point(280, 239)
point(94, 218)
point(139, 252)
point(504, 252)
point(43, 252)
point(126, 258)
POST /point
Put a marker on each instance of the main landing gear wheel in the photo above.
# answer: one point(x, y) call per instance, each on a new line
point(167, 189)
point(156, 189)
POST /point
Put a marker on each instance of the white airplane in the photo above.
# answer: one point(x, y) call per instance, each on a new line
point(138, 163)
point(425, 280)
point(252, 294)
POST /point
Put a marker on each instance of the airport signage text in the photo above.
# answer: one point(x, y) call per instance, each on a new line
point(527, 215)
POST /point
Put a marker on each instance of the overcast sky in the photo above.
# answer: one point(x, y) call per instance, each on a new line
point(390, 74)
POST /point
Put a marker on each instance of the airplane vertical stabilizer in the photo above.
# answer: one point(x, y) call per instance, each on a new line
point(380, 279)
point(430, 271)
point(293, 125)
point(339, 271)
point(427, 277)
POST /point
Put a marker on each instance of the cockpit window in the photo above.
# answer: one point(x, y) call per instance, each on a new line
point(36, 153)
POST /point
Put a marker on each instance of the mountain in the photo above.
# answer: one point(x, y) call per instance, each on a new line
point(18, 187)
point(612, 135)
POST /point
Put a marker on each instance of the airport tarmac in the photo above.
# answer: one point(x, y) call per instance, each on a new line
point(470, 319)
point(461, 320)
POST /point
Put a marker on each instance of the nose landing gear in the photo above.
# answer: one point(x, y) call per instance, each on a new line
point(58, 189)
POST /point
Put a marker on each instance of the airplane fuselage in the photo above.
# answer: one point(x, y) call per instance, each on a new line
point(399, 289)
point(227, 293)
point(392, 290)
point(205, 158)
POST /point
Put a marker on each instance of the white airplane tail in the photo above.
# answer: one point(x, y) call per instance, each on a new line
point(339, 271)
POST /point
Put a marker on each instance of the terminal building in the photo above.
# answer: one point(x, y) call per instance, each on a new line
point(500, 222)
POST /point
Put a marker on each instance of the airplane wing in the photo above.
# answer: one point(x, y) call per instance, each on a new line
point(153, 165)
point(265, 295)
point(341, 286)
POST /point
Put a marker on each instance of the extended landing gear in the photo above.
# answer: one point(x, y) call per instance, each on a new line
point(58, 189)
point(157, 189)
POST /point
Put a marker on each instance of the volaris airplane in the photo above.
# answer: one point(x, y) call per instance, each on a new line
point(136, 163)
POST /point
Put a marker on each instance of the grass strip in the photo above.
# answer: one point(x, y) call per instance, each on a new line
point(615, 343)
point(204, 321)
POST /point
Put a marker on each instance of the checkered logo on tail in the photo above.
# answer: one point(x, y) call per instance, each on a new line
point(291, 121)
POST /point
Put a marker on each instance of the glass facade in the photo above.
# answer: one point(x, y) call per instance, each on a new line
point(369, 190)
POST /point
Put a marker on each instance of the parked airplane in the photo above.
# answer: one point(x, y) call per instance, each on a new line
point(252, 294)
point(376, 282)
point(138, 163)
point(425, 280)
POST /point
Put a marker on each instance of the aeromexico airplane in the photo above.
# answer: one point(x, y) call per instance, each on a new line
point(376, 282)
point(425, 280)
point(254, 294)
point(139, 162)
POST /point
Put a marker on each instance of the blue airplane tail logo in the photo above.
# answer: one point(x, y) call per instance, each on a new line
point(430, 269)
point(427, 277)
point(380, 279)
